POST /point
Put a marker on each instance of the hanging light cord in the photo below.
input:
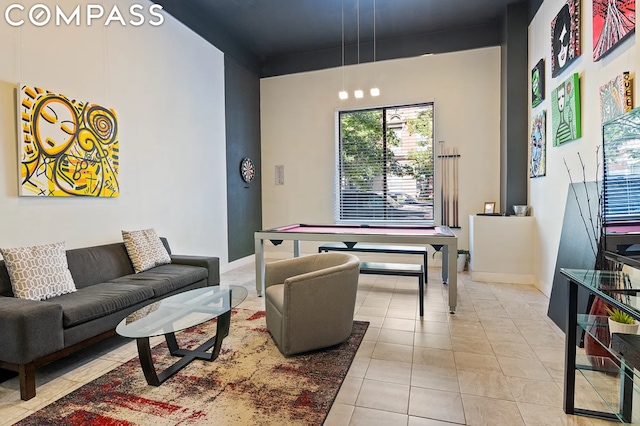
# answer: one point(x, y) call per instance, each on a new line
point(342, 44)
point(358, 17)
point(374, 30)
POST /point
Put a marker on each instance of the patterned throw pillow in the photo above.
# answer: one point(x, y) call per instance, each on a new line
point(38, 272)
point(145, 249)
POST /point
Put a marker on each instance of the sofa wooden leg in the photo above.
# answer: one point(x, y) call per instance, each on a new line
point(27, 375)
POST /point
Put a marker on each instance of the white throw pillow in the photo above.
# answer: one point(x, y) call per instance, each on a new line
point(38, 272)
point(145, 249)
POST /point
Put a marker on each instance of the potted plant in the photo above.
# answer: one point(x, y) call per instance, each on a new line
point(621, 322)
point(462, 259)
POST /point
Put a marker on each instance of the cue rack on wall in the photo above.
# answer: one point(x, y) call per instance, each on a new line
point(449, 186)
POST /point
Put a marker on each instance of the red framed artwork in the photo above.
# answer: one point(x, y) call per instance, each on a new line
point(613, 21)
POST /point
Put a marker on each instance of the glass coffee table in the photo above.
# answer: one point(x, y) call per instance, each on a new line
point(176, 313)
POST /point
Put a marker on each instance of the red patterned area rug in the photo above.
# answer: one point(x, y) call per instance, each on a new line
point(250, 383)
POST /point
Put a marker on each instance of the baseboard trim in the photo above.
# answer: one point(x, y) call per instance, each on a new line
point(237, 263)
point(494, 277)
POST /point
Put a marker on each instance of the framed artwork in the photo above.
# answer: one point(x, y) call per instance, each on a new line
point(66, 147)
point(565, 36)
point(489, 206)
point(538, 147)
point(616, 97)
point(537, 84)
point(565, 111)
point(613, 22)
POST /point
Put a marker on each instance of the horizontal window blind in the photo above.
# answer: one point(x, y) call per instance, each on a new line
point(621, 183)
point(385, 164)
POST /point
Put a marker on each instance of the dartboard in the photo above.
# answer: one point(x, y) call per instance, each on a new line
point(247, 170)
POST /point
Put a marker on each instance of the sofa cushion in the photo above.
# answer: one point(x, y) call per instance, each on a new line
point(145, 249)
point(165, 278)
point(99, 300)
point(98, 264)
point(5, 281)
point(38, 272)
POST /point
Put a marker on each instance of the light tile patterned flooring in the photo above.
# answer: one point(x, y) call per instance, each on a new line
point(497, 361)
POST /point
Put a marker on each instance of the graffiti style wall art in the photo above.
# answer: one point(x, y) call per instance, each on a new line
point(616, 97)
point(613, 21)
point(565, 111)
point(66, 147)
point(538, 147)
point(537, 84)
point(565, 37)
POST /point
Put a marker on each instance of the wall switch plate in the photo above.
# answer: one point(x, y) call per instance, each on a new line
point(280, 175)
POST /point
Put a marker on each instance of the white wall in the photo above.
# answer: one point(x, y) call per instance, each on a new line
point(298, 115)
point(167, 86)
point(548, 194)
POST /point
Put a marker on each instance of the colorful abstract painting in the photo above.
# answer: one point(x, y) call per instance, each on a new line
point(538, 165)
point(565, 111)
point(565, 37)
point(66, 147)
point(613, 21)
point(537, 84)
point(616, 97)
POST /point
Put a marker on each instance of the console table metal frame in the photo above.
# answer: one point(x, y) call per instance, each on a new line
point(626, 391)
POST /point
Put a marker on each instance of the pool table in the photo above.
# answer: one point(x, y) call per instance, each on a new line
point(440, 237)
point(621, 236)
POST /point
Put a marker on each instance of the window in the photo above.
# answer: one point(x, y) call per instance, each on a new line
point(621, 141)
point(385, 164)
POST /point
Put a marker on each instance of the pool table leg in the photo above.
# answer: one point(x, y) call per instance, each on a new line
point(296, 248)
point(452, 252)
point(259, 246)
point(445, 264)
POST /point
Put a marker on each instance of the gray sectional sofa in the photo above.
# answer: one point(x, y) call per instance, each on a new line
point(34, 333)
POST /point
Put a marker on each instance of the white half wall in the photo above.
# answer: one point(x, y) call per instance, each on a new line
point(166, 85)
point(548, 194)
point(298, 121)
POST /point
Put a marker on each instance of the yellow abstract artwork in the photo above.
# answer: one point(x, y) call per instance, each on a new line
point(66, 147)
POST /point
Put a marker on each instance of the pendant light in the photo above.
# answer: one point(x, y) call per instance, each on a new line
point(374, 91)
point(358, 93)
point(343, 94)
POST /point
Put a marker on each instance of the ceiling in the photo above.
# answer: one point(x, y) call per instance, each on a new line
point(264, 33)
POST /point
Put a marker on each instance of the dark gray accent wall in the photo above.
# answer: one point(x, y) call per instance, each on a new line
point(534, 6)
point(514, 146)
point(404, 47)
point(242, 119)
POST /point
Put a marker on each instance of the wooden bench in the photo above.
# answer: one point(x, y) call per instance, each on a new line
point(402, 269)
point(378, 248)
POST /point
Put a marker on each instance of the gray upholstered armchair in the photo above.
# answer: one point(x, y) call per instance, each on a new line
point(310, 300)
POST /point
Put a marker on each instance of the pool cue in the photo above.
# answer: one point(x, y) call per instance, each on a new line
point(455, 187)
point(441, 181)
point(446, 188)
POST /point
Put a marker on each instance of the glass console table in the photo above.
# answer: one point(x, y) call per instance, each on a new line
point(613, 374)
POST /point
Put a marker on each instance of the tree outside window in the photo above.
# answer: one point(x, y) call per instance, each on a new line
point(386, 164)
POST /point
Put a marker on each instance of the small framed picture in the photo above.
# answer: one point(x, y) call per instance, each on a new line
point(489, 206)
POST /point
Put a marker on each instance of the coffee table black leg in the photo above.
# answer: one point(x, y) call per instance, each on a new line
point(172, 343)
point(146, 362)
point(222, 331)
